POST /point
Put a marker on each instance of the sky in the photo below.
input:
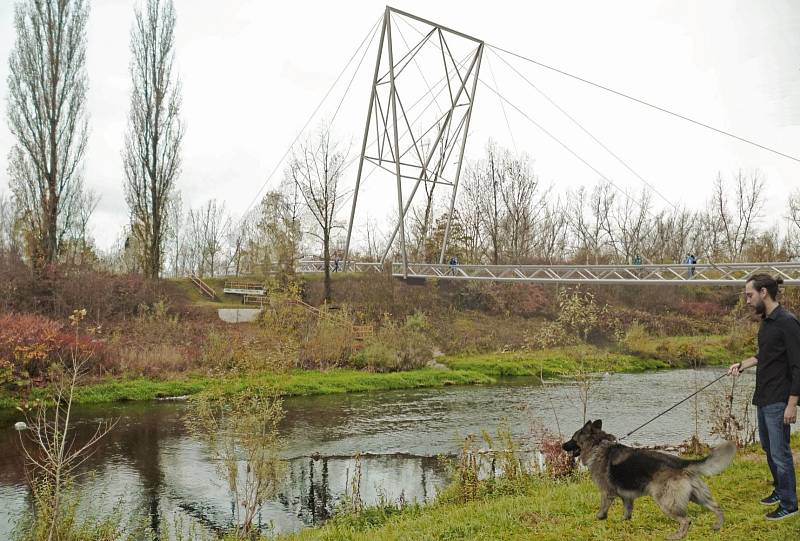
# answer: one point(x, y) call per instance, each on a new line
point(252, 72)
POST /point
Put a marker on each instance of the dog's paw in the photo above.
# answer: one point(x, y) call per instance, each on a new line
point(601, 516)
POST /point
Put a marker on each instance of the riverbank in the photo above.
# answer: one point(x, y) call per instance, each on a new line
point(543, 509)
point(552, 363)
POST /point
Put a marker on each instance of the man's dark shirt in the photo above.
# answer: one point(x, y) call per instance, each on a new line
point(778, 368)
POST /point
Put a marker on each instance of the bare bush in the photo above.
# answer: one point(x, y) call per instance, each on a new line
point(242, 435)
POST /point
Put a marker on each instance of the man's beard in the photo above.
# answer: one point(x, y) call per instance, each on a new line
point(761, 309)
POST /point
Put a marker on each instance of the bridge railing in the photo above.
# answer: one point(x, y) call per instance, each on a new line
point(676, 273)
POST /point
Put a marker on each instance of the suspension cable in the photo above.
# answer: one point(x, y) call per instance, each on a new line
point(311, 117)
point(643, 102)
point(586, 131)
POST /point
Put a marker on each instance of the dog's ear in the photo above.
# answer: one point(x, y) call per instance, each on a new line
point(598, 424)
point(588, 424)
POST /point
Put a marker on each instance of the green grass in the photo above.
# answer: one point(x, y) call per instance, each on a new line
point(551, 363)
point(461, 370)
point(548, 510)
point(295, 383)
point(656, 353)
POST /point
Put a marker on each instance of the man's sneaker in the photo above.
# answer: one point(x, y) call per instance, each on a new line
point(781, 513)
point(772, 499)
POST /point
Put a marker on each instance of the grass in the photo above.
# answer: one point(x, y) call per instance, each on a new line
point(542, 509)
point(657, 353)
point(460, 370)
point(295, 383)
point(552, 363)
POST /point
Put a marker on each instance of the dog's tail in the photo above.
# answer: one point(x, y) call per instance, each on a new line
point(719, 459)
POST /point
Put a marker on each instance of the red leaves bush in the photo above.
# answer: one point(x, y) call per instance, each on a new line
point(30, 343)
point(557, 462)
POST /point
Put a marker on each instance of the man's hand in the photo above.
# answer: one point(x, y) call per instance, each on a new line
point(790, 414)
point(735, 369)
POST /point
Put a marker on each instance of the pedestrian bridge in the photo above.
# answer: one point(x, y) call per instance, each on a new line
point(718, 274)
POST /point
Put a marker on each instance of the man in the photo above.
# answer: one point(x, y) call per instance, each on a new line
point(777, 388)
point(453, 265)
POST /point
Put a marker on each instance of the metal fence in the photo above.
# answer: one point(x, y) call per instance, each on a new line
point(677, 273)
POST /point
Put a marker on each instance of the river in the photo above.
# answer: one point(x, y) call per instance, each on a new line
point(149, 465)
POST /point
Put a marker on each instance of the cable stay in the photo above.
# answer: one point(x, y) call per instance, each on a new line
point(643, 102)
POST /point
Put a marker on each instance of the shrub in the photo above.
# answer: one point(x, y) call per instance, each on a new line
point(330, 342)
point(742, 330)
point(636, 339)
point(397, 347)
point(557, 462)
point(475, 332)
point(30, 343)
point(550, 335)
point(580, 319)
point(219, 352)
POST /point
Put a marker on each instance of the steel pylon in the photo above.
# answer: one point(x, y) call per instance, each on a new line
point(411, 146)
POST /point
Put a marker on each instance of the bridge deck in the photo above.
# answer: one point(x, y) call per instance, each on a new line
point(671, 274)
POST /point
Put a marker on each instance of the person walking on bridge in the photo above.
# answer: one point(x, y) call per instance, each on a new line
point(777, 388)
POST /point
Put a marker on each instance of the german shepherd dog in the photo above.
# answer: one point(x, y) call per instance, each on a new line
point(629, 473)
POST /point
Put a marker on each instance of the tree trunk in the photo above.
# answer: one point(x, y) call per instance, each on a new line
point(326, 257)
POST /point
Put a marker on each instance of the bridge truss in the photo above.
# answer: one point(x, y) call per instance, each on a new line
point(720, 274)
point(428, 151)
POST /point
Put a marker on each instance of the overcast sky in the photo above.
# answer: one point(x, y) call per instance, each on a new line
point(253, 71)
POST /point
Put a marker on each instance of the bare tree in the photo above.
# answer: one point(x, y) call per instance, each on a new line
point(551, 233)
point(490, 178)
point(673, 235)
point(735, 223)
point(151, 155)
point(374, 240)
point(633, 225)
point(523, 205)
point(468, 207)
point(794, 208)
point(316, 169)
point(47, 86)
point(208, 227)
point(590, 220)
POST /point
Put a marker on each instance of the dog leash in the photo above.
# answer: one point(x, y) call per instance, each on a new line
point(673, 407)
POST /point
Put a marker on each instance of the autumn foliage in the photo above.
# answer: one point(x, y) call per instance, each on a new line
point(30, 343)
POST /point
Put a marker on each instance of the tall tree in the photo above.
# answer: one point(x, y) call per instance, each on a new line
point(47, 86)
point(316, 169)
point(151, 155)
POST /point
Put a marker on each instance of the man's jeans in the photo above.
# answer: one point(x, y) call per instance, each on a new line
point(774, 437)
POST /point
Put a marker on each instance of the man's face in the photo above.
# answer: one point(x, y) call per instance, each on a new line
point(755, 298)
